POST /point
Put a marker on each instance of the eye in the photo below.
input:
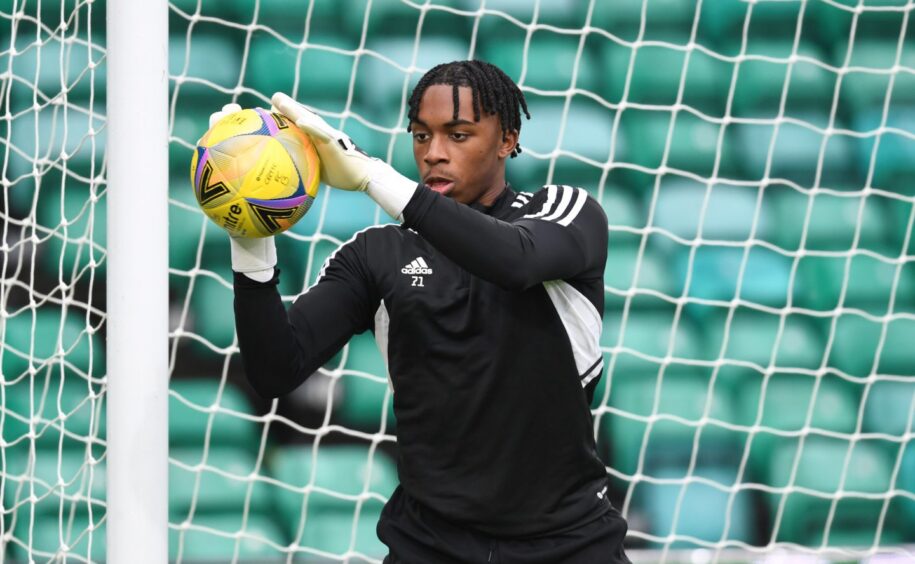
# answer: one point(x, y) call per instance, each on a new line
point(420, 136)
point(458, 136)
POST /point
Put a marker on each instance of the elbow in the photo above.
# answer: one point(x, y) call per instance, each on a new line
point(270, 382)
point(515, 278)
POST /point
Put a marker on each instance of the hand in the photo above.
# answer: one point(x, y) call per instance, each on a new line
point(346, 166)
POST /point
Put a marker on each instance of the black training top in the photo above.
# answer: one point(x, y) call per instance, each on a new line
point(489, 321)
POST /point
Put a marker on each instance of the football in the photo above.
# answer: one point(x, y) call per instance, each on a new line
point(255, 173)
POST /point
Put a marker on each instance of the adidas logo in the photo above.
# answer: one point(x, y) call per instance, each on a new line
point(417, 266)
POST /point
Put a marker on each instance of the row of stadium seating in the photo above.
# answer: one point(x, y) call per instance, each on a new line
point(222, 481)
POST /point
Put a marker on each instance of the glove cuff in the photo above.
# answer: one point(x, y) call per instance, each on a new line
point(255, 258)
point(390, 190)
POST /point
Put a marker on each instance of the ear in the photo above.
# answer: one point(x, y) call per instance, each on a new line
point(509, 142)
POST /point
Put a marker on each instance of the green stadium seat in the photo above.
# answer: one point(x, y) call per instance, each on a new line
point(832, 221)
point(551, 61)
point(79, 236)
point(364, 398)
point(705, 512)
point(795, 155)
point(563, 13)
point(76, 478)
point(24, 337)
point(760, 85)
point(856, 341)
point(221, 487)
point(48, 63)
point(346, 470)
point(891, 168)
point(906, 482)
point(209, 57)
point(786, 402)
point(189, 417)
point(667, 20)
point(186, 225)
point(656, 76)
point(751, 337)
point(669, 443)
point(887, 407)
point(224, 537)
point(333, 532)
point(714, 272)
point(382, 83)
point(211, 8)
point(868, 285)
point(693, 145)
point(323, 72)
point(820, 468)
point(653, 271)
point(587, 132)
point(648, 333)
point(288, 19)
point(341, 215)
point(211, 306)
point(52, 133)
point(862, 88)
point(729, 210)
point(623, 208)
point(82, 544)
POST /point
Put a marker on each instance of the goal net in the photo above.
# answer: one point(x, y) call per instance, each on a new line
point(756, 161)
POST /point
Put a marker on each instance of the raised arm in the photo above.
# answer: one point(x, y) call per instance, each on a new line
point(563, 237)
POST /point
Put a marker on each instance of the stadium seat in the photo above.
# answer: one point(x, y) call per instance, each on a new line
point(79, 235)
point(210, 8)
point(189, 417)
point(657, 73)
point(52, 67)
point(340, 214)
point(856, 341)
point(587, 130)
point(727, 211)
point(186, 225)
point(203, 64)
point(751, 337)
point(50, 475)
point(224, 537)
point(623, 207)
point(887, 407)
point(761, 83)
point(82, 544)
point(714, 272)
point(693, 144)
point(345, 470)
point(363, 397)
point(820, 468)
point(862, 88)
point(221, 487)
point(795, 155)
point(333, 531)
point(288, 19)
point(323, 72)
point(620, 271)
point(832, 221)
point(383, 83)
point(211, 306)
point(867, 286)
point(551, 59)
point(786, 402)
point(648, 333)
point(667, 20)
point(67, 135)
point(669, 444)
point(906, 482)
point(706, 512)
point(893, 165)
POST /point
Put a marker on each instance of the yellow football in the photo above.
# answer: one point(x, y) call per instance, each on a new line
point(255, 173)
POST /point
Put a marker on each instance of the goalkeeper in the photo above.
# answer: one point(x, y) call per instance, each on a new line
point(486, 304)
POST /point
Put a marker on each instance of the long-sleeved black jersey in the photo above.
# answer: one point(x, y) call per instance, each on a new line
point(489, 320)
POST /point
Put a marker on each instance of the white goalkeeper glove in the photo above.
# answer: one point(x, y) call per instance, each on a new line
point(345, 166)
point(255, 258)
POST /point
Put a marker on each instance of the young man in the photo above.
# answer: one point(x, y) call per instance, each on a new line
point(486, 304)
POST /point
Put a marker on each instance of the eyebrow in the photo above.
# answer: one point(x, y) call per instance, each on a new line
point(451, 123)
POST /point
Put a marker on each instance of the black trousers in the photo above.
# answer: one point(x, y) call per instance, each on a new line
point(415, 535)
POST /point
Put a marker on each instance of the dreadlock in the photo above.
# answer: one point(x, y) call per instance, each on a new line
point(492, 91)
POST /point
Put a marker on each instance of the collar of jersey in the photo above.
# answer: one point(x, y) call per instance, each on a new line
point(501, 206)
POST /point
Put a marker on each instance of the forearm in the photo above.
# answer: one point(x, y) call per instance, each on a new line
point(281, 349)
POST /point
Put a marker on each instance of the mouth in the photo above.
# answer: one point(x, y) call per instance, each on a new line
point(439, 184)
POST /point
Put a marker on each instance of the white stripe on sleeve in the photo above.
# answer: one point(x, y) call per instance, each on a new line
point(563, 206)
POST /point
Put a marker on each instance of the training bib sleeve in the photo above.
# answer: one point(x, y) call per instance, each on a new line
point(563, 237)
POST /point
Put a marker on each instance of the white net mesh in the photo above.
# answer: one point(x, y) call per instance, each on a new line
point(755, 162)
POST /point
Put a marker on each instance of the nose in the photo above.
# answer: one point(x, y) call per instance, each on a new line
point(436, 152)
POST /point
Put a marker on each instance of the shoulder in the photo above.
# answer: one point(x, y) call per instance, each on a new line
point(562, 204)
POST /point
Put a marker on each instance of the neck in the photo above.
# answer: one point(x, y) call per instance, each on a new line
point(493, 192)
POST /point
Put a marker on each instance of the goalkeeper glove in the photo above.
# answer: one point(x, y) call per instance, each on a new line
point(255, 258)
point(344, 165)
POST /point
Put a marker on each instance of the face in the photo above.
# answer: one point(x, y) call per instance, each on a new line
point(460, 158)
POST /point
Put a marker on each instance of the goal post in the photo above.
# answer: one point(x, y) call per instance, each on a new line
point(137, 281)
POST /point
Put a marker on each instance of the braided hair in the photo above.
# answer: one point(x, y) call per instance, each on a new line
point(493, 92)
